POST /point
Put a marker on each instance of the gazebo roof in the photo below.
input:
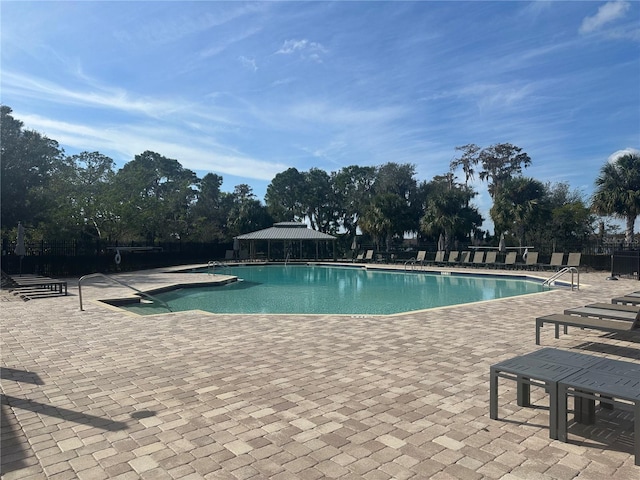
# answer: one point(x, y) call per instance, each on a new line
point(286, 231)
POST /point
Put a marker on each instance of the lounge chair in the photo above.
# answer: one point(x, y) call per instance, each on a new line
point(478, 258)
point(465, 258)
point(490, 259)
point(556, 261)
point(509, 260)
point(37, 281)
point(603, 324)
point(626, 300)
point(453, 257)
point(368, 256)
point(595, 310)
point(422, 254)
point(574, 259)
point(532, 261)
point(439, 258)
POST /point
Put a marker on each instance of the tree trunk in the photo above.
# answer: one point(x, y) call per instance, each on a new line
point(628, 237)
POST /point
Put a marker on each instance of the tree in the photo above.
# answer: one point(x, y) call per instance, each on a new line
point(519, 206)
point(447, 209)
point(353, 190)
point(246, 213)
point(468, 160)
point(571, 220)
point(211, 209)
point(28, 162)
point(318, 201)
point(399, 180)
point(81, 186)
point(156, 195)
point(285, 194)
point(500, 162)
point(383, 218)
point(618, 190)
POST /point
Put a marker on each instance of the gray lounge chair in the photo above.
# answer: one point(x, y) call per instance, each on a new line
point(509, 260)
point(574, 259)
point(439, 258)
point(532, 261)
point(478, 258)
point(556, 261)
point(603, 324)
point(608, 313)
point(453, 257)
point(465, 258)
point(420, 257)
point(490, 259)
point(626, 300)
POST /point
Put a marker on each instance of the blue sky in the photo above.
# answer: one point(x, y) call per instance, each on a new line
point(247, 90)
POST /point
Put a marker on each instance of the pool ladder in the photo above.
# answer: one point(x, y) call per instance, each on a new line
point(212, 264)
point(555, 276)
point(139, 292)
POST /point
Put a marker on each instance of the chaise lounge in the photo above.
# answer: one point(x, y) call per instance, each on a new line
point(604, 324)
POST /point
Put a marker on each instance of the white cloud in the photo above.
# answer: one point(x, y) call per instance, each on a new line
point(123, 141)
point(606, 14)
point(625, 151)
point(249, 63)
point(305, 48)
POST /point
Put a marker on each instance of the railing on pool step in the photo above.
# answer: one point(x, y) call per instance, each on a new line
point(140, 292)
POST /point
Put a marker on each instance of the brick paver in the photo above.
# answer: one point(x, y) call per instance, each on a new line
point(105, 394)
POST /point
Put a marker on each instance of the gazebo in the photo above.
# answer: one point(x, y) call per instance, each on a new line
point(291, 234)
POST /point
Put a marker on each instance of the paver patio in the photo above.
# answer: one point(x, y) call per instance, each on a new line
point(105, 394)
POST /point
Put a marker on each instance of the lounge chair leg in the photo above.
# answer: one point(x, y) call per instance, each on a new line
point(538, 327)
point(493, 395)
point(524, 392)
point(636, 423)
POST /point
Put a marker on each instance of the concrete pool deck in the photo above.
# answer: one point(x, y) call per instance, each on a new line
point(102, 393)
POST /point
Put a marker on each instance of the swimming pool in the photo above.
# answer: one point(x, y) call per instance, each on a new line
point(315, 289)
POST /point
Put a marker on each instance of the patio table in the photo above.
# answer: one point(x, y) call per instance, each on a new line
point(611, 382)
point(543, 368)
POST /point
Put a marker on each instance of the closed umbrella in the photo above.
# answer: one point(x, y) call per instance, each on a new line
point(236, 248)
point(20, 249)
point(441, 243)
point(502, 247)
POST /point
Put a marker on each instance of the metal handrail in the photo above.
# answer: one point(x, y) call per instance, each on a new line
point(93, 275)
point(555, 276)
point(213, 264)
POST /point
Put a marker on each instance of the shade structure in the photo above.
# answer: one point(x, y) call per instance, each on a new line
point(287, 232)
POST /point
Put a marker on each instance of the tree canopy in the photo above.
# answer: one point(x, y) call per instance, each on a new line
point(153, 198)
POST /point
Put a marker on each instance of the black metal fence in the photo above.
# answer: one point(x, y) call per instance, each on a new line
point(76, 258)
point(626, 263)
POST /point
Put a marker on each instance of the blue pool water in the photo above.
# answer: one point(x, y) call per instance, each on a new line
point(337, 290)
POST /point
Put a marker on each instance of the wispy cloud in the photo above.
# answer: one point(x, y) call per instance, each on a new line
point(606, 14)
point(306, 49)
point(249, 63)
point(109, 97)
point(191, 149)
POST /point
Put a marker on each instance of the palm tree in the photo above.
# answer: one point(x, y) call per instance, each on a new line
point(618, 190)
